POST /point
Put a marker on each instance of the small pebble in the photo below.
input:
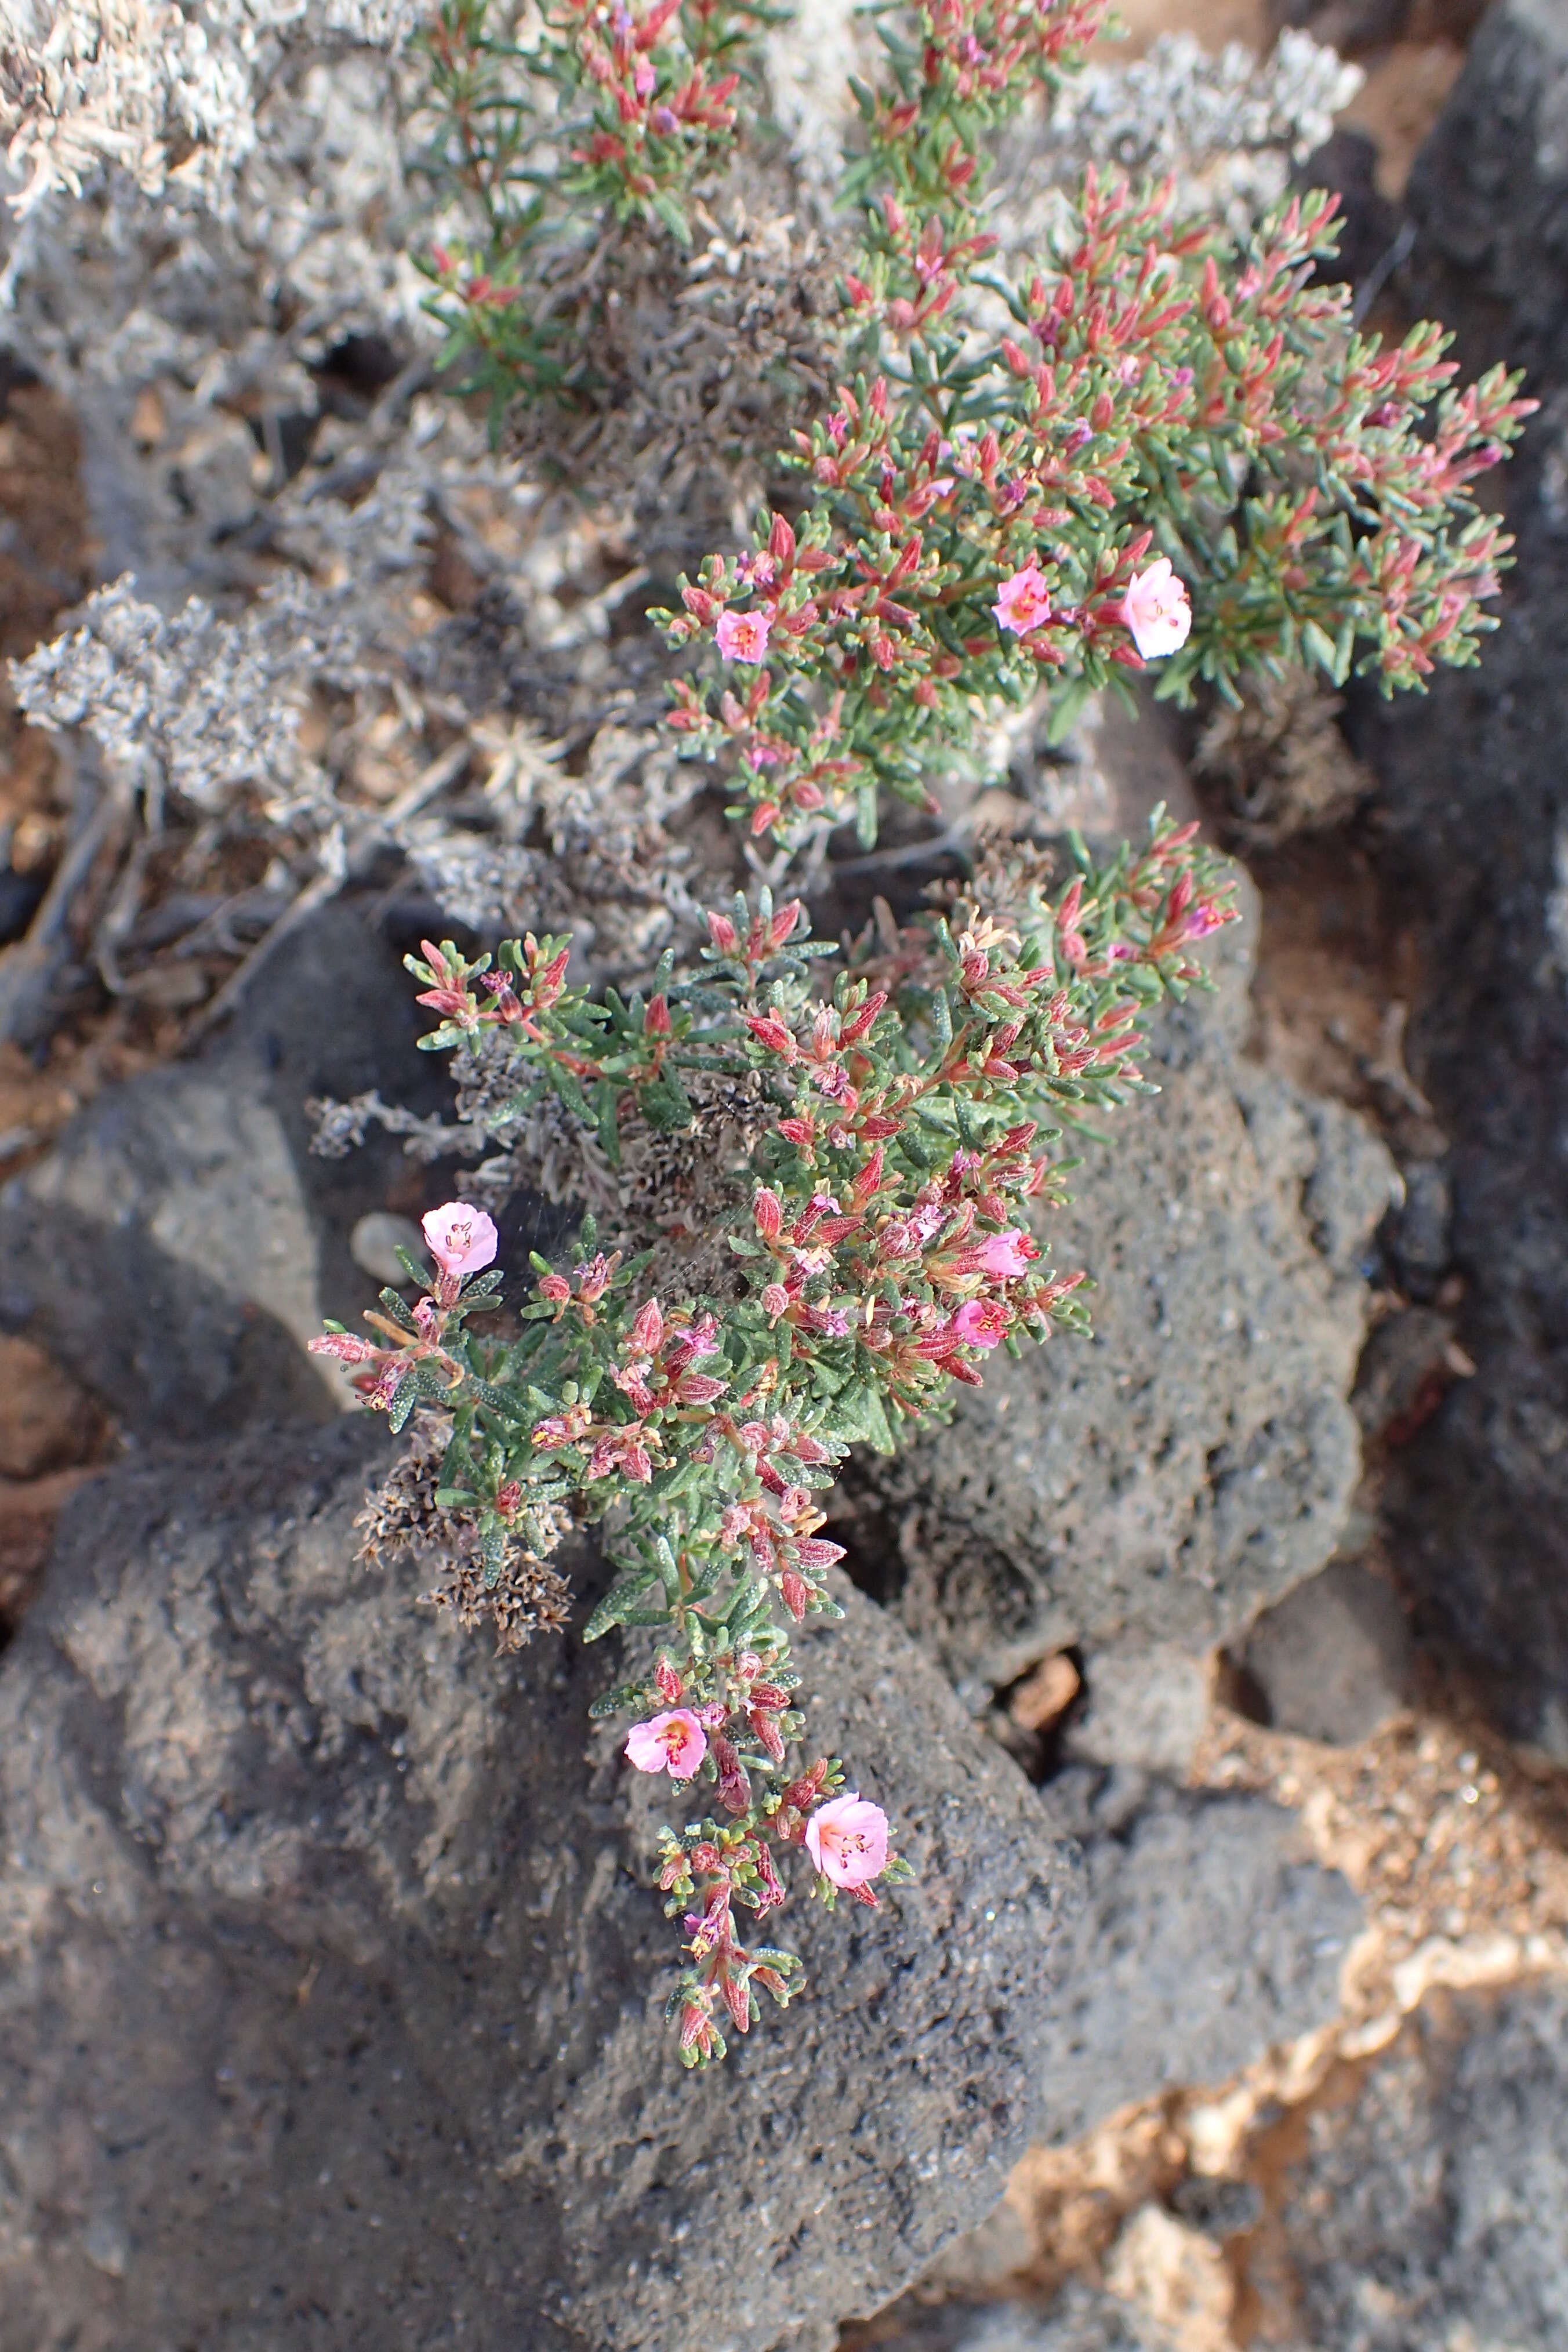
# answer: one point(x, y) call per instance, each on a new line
point(375, 1242)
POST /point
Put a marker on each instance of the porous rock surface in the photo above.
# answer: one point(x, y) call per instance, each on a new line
point(1197, 1456)
point(1431, 2213)
point(1332, 1661)
point(1208, 1935)
point(177, 1247)
point(1081, 2318)
point(331, 2001)
point(1473, 850)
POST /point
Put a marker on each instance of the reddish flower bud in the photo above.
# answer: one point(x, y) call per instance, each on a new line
point(647, 1328)
point(859, 1023)
point(767, 1212)
point(734, 1787)
point(773, 1034)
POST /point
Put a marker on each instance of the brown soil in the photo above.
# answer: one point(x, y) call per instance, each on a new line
point(52, 1437)
point(1212, 21)
point(46, 566)
point(1333, 986)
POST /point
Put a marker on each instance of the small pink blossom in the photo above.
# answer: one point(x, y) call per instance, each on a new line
point(1157, 610)
point(1206, 917)
point(744, 636)
point(980, 1323)
point(848, 1840)
point(460, 1239)
point(1007, 1256)
point(1023, 602)
point(674, 1743)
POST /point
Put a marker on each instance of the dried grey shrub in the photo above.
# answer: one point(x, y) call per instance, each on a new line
point(1228, 127)
point(211, 200)
point(164, 92)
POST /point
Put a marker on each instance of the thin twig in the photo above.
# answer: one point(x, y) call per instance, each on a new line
point(1393, 256)
point(375, 824)
point(28, 969)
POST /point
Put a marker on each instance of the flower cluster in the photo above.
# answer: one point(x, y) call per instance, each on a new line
point(880, 1243)
point(1151, 450)
point(1175, 454)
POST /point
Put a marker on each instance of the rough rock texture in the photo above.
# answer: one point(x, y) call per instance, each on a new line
point(1082, 2318)
point(177, 1248)
point(1474, 850)
point(1353, 26)
point(1431, 2214)
point(1144, 1708)
point(1208, 1935)
point(1197, 1456)
point(332, 2007)
point(1332, 1660)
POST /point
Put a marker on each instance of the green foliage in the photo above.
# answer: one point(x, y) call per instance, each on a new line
point(606, 112)
point(1155, 447)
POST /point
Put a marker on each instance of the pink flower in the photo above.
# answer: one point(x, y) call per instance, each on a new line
point(848, 1840)
point(1156, 610)
point(1204, 917)
point(461, 1240)
point(980, 1323)
point(744, 636)
point(1007, 1256)
point(1023, 602)
point(674, 1743)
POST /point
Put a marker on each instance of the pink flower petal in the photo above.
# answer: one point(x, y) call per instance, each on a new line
point(460, 1239)
point(848, 1840)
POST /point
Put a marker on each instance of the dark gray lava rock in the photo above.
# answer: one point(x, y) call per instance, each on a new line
point(1332, 1660)
point(332, 2004)
point(1145, 1707)
point(1473, 849)
point(1356, 26)
point(178, 1246)
point(1082, 2318)
point(1432, 2216)
point(1197, 1457)
point(1209, 1934)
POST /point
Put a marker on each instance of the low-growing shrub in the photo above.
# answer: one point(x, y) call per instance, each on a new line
point(814, 1168)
